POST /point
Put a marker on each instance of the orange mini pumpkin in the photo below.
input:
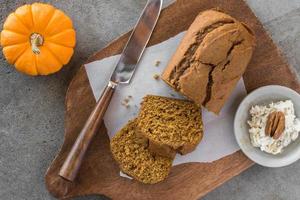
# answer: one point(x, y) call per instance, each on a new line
point(38, 39)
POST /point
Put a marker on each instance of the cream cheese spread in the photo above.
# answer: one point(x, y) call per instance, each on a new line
point(259, 115)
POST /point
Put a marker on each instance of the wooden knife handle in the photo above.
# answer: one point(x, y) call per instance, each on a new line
point(73, 161)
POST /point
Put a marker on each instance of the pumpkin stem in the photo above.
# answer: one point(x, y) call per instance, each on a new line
point(36, 40)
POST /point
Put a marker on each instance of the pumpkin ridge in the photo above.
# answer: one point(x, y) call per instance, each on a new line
point(34, 24)
point(53, 54)
point(58, 44)
point(46, 20)
point(25, 16)
point(22, 22)
point(19, 69)
point(53, 21)
point(31, 16)
point(18, 35)
point(47, 43)
point(46, 62)
point(51, 18)
point(20, 53)
point(50, 37)
point(16, 32)
point(14, 24)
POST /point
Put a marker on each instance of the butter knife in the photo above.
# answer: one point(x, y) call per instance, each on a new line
point(122, 74)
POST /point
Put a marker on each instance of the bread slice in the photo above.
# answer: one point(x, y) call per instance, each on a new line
point(135, 159)
point(171, 125)
point(211, 59)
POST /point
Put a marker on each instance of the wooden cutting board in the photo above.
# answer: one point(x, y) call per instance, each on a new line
point(99, 173)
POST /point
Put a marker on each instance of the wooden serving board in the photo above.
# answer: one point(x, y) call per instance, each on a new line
point(99, 173)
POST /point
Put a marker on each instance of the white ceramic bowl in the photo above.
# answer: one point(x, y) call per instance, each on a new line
point(264, 96)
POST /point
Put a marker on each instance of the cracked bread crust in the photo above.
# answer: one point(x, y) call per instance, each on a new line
point(211, 59)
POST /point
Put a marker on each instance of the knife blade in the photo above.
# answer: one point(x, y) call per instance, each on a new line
point(137, 42)
point(122, 74)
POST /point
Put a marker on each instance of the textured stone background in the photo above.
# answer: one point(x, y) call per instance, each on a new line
point(32, 109)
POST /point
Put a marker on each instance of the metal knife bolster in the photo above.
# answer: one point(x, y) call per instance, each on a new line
point(112, 84)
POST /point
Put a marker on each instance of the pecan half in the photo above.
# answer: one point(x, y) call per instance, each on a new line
point(275, 124)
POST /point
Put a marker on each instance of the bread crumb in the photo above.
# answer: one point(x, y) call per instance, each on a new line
point(156, 76)
point(157, 63)
point(126, 105)
point(126, 100)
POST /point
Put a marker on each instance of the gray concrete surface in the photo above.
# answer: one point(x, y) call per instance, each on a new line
point(32, 109)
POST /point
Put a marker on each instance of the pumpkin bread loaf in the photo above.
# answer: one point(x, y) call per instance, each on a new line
point(171, 125)
point(134, 158)
point(211, 59)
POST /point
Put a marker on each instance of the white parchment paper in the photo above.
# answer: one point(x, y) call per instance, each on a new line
point(218, 140)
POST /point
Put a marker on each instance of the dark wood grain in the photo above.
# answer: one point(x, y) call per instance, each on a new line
point(99, 173)
point(74, 159)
